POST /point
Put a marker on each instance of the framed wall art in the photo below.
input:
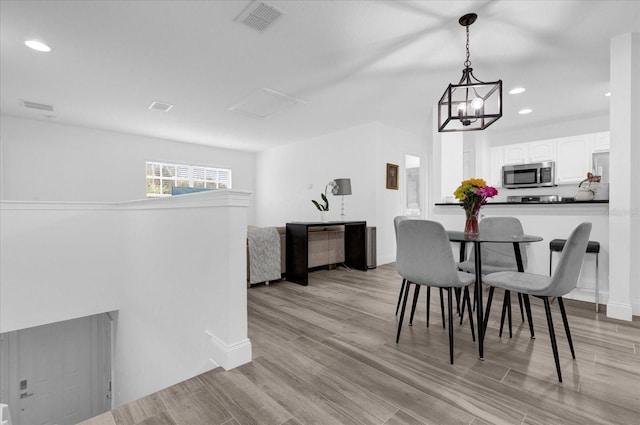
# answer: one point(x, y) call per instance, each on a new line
point(392, 176)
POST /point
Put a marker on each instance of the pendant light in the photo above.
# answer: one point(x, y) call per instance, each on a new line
point(471, 104)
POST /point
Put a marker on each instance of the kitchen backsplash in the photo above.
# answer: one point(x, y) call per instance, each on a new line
point(563, 190)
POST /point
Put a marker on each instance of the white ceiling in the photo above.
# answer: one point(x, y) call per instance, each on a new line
point(350, 62)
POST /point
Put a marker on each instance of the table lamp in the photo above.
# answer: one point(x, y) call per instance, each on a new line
point(344, 188)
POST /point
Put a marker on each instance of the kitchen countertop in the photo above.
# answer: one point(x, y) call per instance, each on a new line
point(606, 201)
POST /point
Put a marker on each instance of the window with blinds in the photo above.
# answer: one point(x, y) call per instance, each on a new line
point(162, 178)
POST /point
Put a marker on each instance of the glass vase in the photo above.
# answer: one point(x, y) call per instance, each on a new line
point(471, 225)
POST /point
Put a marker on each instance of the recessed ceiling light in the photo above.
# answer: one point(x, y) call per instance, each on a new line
point(525, 111)
point(608, 94)
point(37, 45)
point(517, 90)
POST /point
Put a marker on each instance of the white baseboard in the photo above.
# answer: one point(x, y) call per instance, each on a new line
point(210, 364)
point(229, 356)
point(619, 311)
point(386, 260)
point(588, 295)
point(5, 417)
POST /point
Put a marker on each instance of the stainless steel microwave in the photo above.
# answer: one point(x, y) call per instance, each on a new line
point(539, 174)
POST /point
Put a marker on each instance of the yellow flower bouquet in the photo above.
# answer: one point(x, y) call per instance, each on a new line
point(473, 194)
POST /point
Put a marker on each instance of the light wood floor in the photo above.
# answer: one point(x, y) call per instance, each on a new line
point(326, 354)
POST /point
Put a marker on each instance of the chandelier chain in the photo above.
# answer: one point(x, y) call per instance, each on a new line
point(467, 63)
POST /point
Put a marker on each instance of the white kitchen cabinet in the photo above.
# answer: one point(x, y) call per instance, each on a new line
point(542, 150)
point(601, 141)
point(573, 158)
point(496, 161)
point(516, 154)
point(571, 154)
point(523, 153)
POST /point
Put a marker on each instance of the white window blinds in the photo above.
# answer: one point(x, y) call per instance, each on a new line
point(162, 178)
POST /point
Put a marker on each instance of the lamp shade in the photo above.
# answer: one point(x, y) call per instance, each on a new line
point(344, 186)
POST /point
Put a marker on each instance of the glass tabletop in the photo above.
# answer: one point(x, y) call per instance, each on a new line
point(459, 236)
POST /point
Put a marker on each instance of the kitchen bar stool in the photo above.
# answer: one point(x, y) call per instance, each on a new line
point(593, 247)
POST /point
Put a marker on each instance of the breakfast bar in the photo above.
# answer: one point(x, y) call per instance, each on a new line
point(550, 220)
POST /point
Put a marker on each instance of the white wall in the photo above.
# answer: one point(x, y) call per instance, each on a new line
point(624, 219)
point(564, 128)
point(58, 262)
point(173, 269)
point(451, 163)
point(290, 176)
point(45, 161)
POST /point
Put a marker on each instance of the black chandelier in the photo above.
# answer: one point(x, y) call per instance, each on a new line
point(471, 104)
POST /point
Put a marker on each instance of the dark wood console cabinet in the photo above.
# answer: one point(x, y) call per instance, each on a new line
point(297, 240)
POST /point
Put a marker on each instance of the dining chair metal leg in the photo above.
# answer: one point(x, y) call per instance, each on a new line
point(461, 311)
point(404, 306)
point(450, 302)
point(527, 307)
point(520, 304)
point(404, 281)
point(457, 292)
point(468, 298)
point(552, 336)
point(486, 313)
point(473, 304)
point(506, 308)
point(566, 325)
point(509, 315)
point(428, 303)
point(520, 298)
point(416, 293)
point(442, 308)
point(505, 303)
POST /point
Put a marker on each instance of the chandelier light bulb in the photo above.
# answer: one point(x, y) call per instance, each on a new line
point(477, 103)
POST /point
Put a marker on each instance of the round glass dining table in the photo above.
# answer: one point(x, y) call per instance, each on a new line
point(478, 240)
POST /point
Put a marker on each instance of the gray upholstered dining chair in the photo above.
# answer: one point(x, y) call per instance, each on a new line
point(416, 293)
point(563, 281)
point(424, 257)
point(396, 222)
point(498, 257)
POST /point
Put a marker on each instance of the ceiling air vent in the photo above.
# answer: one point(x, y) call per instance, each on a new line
point(263, 103)
point(258, 15)
point(38, 106)
point(159, 106)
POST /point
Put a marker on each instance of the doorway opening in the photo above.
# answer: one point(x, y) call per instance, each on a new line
point(412, 205)
point(59, 373)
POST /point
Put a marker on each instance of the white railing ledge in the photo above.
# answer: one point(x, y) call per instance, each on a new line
point(55, 205)
point(212, 198)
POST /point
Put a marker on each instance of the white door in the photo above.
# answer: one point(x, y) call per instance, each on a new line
point(56, 365)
